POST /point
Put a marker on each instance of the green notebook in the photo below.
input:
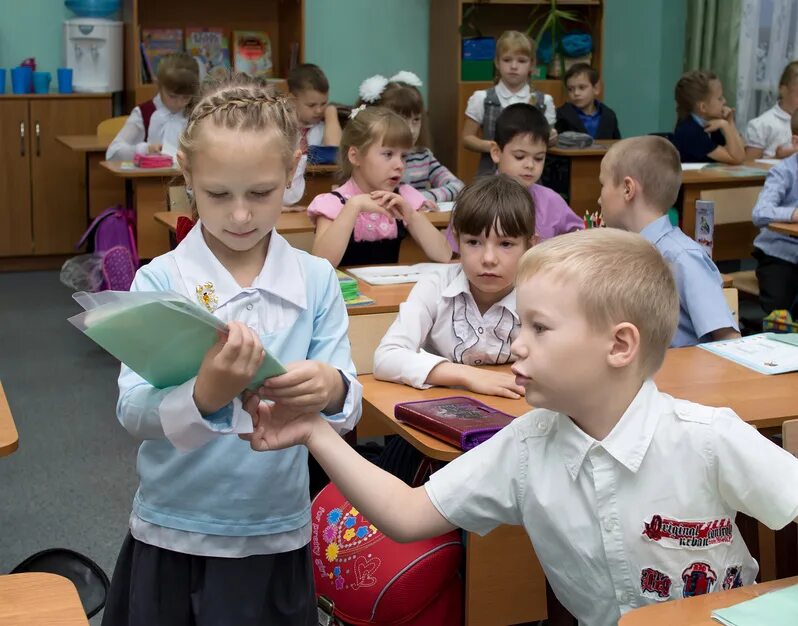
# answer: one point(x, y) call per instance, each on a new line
point(162, 336)
point(776, 608)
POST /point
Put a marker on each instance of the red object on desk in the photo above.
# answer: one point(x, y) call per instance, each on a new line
point(152, 161)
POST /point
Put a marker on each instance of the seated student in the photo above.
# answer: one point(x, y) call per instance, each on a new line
point(162, 119)
point(770, 135)
point(364, 221)
point(777, 254)
point(318, 119)
point(705, 130)
point(515, 59)
point(640, 179)
point(609, 476)
point(584, 112)
point(438, 337)
point(423, 171)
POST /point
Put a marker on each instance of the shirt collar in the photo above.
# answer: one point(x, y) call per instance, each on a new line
point(698, 120)
point(459, 284)
point(627, 442)
point(349, 189)
point(595, 113)
point(503, 91)
point(158, 102)
point(657, 229)
point(282, 274)
point(781, 113)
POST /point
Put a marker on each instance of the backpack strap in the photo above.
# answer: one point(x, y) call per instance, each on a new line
point(147, 109)
point(492, 110)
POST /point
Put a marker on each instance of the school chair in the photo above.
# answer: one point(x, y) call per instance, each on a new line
point(108, 129)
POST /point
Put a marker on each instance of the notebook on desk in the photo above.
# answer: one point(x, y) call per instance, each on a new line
point(766, 353)
point(396, 274)
point(776, 608)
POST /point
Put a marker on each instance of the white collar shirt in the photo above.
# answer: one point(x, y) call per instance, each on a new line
point(769, 131)
point(643, 516)
point(440, 322)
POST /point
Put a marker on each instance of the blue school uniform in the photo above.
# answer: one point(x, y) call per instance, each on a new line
point(702, 307)
point(693, 142)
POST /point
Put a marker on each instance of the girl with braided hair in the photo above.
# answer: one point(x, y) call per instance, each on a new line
point(219, 535)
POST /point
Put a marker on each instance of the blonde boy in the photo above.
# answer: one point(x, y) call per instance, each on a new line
point(640, 179)
point(628, 495)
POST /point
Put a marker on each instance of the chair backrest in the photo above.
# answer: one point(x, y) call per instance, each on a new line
point(110, 127)
point(178, 199)
point(733, 302)
point(789, 434)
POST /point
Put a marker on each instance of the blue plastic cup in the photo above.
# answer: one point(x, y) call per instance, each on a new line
point(41, 82)
point(21, 79)
point(64, 80)
point(2, 80)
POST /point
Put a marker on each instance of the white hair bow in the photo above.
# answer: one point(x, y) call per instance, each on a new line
point(371, 89)
point(353, 113)
point(408, 78)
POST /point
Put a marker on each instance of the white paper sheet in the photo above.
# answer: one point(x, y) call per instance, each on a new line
point(687, 167)
point(445, 207)
point(768, 161)
point(396, 274)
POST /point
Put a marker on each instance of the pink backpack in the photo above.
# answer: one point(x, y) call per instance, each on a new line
point(113, 240)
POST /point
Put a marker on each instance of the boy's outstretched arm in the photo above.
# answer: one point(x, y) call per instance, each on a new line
point(401, 512)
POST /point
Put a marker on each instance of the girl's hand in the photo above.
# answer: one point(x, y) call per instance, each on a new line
point(553, 135)
point(228, 367)
point(395, 205)
point(715, 124)
point(307, 387)
point(491, 383)
point(727, 113)
point(428, 205)
point(364, 203)
point(154, 148)
point(275, 427)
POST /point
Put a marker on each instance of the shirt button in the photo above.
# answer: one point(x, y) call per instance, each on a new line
point(479, 330)
point(478, 362)
point(249, 307)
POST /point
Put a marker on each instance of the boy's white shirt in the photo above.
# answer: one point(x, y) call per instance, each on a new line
point(475, 108)
point(440, 322)
point(589, 506)
point(315, 136)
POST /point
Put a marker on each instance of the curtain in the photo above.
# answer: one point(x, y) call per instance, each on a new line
point(767, 42)
point(713, 35)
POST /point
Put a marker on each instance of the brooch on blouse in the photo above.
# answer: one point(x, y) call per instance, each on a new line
point(206, 294)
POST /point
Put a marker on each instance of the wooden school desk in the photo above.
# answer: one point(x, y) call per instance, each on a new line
point(785, 228)
point(697, 611)
point(104, 189)
point(39, 599)
point(583, 182)
point(9, 439)
point(734, 234)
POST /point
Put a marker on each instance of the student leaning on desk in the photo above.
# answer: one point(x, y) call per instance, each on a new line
point(628, 495)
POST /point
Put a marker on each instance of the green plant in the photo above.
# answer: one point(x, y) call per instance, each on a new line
point(551, 19)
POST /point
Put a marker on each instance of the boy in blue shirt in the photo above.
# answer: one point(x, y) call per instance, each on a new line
point(584, 112)
point(640, 178)
point(776, 254)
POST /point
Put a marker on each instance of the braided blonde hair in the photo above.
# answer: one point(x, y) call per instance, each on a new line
point(240, 102)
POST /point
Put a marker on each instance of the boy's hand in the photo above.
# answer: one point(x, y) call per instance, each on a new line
point(727, 113)
point(715, 124)
point(154, 148)
point(275, 427)
point(491, 383)
point(396, 206)
point(228, 367)
point(307, 387)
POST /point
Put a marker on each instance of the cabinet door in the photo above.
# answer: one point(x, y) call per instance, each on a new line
point(59, 174)
point(16, 236)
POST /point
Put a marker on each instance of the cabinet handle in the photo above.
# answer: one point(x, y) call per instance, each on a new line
point(22, 139)
point(38, 130)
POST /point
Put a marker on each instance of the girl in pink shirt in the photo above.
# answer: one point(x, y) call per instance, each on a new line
point(364, 221)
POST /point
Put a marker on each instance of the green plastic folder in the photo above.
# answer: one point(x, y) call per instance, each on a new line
point(776, 608)
point(162, 336)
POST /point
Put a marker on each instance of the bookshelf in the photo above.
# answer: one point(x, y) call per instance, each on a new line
point(284, 20)
point(448, 94)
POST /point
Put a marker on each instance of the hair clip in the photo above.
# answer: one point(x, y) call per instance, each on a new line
point(353, 113)
point(371, 89)
point(408, 78)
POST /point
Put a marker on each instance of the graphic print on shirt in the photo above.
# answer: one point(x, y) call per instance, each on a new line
point(695, 534)
point(470, 335)
point(733, 577)
point(698, 579)
point(652, 581)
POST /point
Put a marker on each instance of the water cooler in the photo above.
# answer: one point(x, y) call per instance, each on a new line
point(94, 52)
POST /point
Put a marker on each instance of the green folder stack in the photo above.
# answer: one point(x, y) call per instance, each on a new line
point(348, 286)
point(162, 336)
point(775, 608)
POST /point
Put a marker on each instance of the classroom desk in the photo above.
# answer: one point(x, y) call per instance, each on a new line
point(733, 240)
point(39, 599)
point(697, 611)
point(785, 228)
point(104, 188)
point(583, 182)
point(9, 439)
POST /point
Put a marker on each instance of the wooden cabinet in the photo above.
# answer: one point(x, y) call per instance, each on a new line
point(448, 94)
point(42, 182)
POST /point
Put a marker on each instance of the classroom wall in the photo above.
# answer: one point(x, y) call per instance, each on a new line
point(32, 28)
point(643, 58)
point(354, 39)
